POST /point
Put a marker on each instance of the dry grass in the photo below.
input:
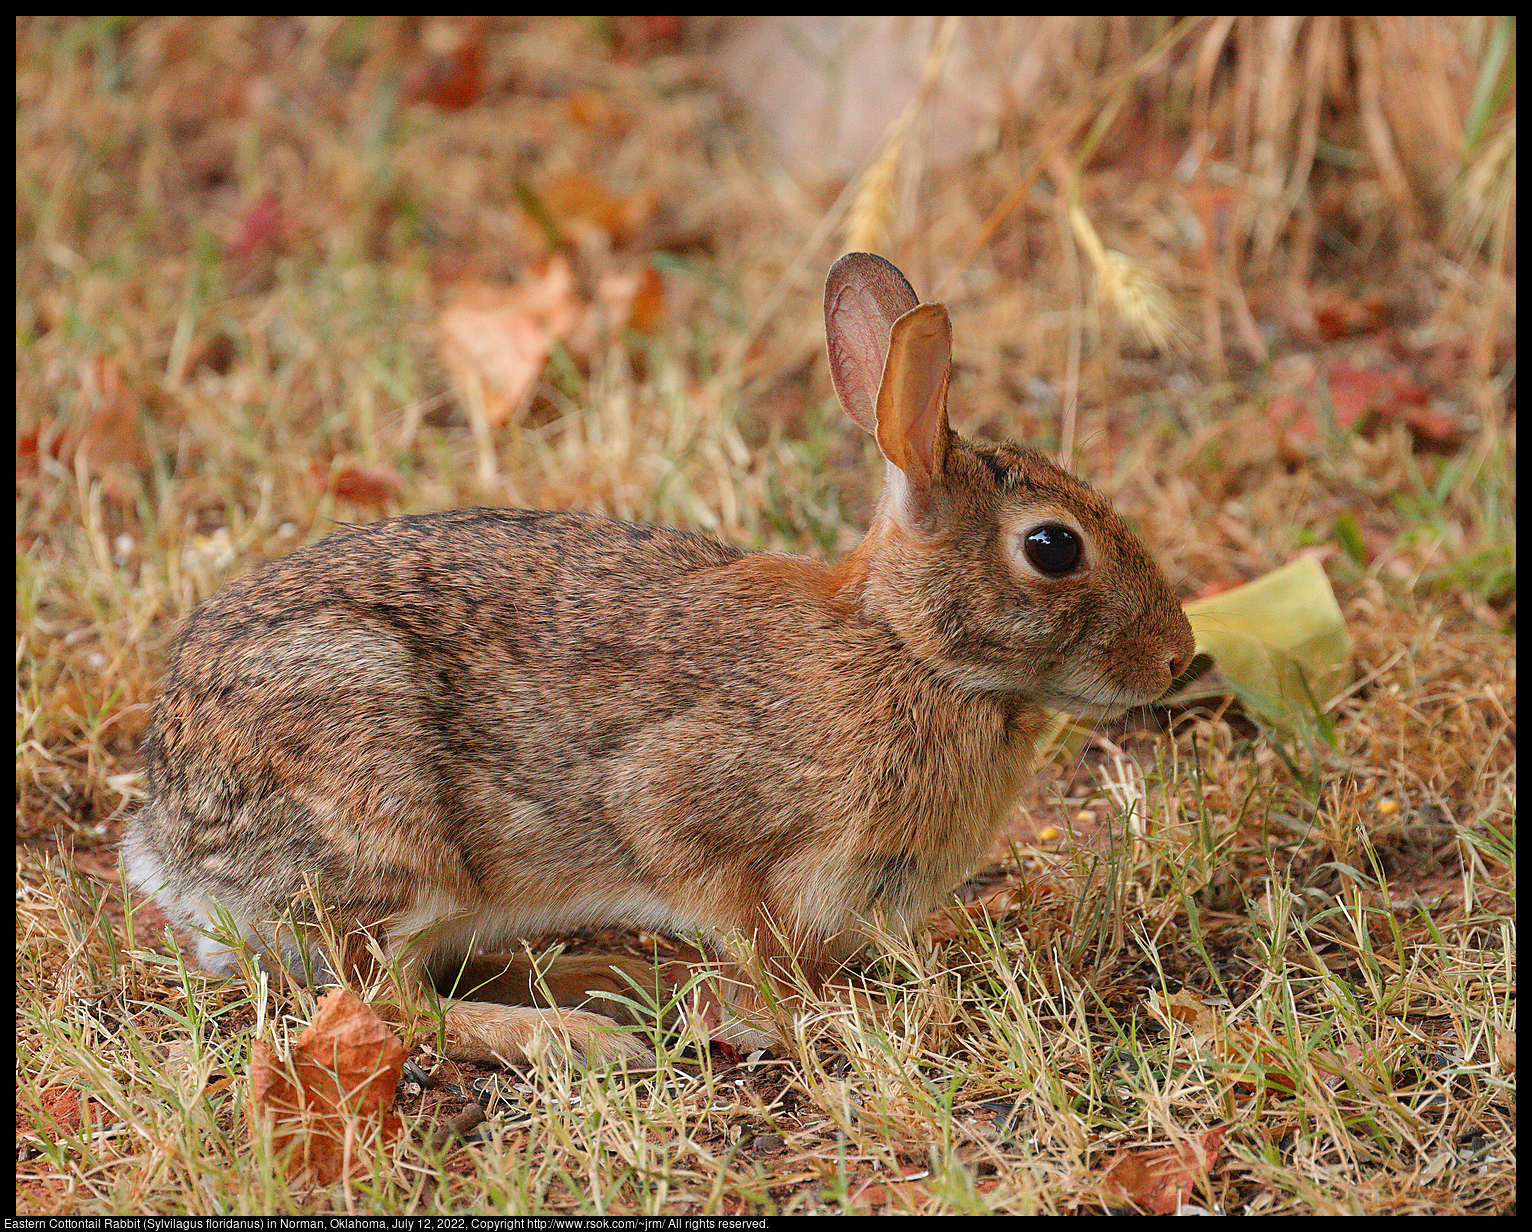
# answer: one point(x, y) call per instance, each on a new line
point(233, 238)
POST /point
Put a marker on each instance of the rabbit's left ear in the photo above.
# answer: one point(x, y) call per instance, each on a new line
point(912, 405)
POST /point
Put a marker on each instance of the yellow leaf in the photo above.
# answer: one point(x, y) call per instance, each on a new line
point(1272, 636)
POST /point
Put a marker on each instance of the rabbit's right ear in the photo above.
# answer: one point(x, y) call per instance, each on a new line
point(864, 296)
point(890, 357)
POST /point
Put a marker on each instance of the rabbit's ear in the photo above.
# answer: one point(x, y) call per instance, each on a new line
point(912, 406)
point(864, 296)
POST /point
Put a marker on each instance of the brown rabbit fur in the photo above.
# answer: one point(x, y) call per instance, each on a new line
point(472, 727)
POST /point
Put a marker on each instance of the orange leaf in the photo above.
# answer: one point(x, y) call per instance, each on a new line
point(575, 195)
point(646, 313)
point(335, 1094)
point(593, 109)
point(633, 300)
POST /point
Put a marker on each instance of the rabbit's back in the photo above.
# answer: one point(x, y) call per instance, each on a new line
point(370, 708)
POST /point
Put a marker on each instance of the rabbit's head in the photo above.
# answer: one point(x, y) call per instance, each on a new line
point(997, 569)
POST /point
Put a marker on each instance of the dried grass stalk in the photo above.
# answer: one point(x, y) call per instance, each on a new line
point(1131, 288)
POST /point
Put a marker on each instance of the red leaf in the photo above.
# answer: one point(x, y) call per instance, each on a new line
point(262, 223)
point(1360, 398)
point(1337, 315)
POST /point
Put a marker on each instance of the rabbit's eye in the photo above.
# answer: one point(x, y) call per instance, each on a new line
point(1053, 550)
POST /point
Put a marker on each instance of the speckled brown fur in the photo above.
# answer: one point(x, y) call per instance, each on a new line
point(471, 726)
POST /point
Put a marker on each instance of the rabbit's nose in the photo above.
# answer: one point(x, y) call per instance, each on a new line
point(1179, 661)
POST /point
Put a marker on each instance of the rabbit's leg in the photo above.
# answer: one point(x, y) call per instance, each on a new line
point(516, 1035)
point(478, 1030)
point(579, 981)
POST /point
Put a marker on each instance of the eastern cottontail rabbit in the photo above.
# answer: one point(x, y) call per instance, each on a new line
point(488, 724)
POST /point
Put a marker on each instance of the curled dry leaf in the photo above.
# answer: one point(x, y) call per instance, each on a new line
point(332, 1099)
point(1161, 1179)
point(1505, 1050)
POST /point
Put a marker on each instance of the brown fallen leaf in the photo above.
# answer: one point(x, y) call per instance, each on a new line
point(577, 197)
point(366, 485)
point(646, 305)
point(1161, 1179)
point(1505, 1050)
point(333, 1098)
point(1433, 427)
point(452, 79)
point(107, 436)
point(638, 36)
point(1338, 315)
point(1188, 1009)
point(591, 108)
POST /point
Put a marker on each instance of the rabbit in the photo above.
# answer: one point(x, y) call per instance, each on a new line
point(456, 730)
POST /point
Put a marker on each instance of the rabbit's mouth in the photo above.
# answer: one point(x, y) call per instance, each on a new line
point(1099, 704)
point(1097, 712)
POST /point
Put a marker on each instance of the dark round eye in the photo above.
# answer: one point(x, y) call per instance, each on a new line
point(1054, 550)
